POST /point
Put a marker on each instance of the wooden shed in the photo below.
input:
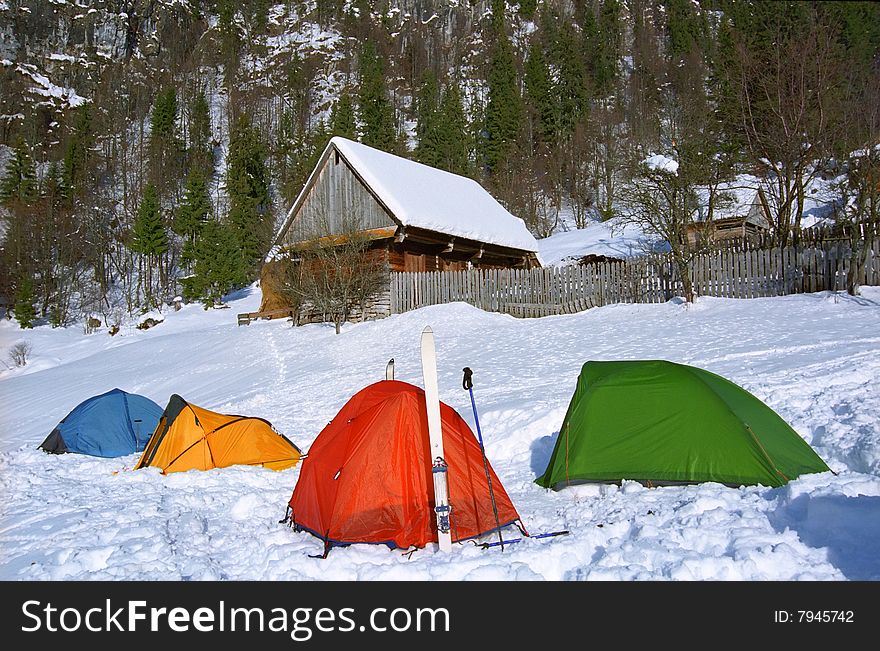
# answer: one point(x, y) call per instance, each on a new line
point(416, 218)
point(739, 214)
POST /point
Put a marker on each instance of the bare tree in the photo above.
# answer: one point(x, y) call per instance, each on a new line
point(335, 274)
point(859, 188)
point(20, 352)
point(787, 98)
point(662, 202)
point(580, 183)
point(608, 129)
point(664, 195)
point(643, 83)
point(538, 194)
point(861, 209)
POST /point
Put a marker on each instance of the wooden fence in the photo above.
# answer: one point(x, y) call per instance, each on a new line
point(820, 236)
point(564, 290)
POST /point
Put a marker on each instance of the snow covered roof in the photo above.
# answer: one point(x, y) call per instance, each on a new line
point(425, 197)
point(615, 238)
point(736, 198)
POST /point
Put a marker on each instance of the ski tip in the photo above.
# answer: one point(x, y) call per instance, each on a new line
point(427, 330)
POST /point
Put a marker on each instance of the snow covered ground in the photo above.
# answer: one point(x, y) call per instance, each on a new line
point(813, 358)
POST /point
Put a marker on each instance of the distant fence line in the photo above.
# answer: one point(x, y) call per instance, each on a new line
point(814, 236)
point(731, 273)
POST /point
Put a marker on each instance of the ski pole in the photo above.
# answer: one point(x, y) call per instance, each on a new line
point(468, 384)
point(516, 540)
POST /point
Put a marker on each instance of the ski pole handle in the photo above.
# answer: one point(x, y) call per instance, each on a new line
point(467, 382)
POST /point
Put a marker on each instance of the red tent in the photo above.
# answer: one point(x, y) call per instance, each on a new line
point(367, 477)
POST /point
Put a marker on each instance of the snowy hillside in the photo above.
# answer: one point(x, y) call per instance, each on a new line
point(813, 358)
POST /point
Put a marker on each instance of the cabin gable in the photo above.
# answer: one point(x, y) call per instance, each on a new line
point(334, 202)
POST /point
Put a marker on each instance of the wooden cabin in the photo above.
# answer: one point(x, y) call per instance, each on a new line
point(739, 215)
point(415, 217)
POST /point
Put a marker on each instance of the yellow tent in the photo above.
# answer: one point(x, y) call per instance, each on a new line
point(190, 437)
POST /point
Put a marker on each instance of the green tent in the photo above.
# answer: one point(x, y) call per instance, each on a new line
point(658, 422)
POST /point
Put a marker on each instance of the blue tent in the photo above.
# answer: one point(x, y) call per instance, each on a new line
point(112, 424)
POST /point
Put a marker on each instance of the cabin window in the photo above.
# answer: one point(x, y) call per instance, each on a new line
point(336, 158)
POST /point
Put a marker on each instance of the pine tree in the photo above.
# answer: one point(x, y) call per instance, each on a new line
point(53, 184)
point(685, 27)
point(164, 116)
point(201, 154)
point(327, 11)
point(148, 231)
point(498, 9)
point(591, 45)
point(217, 269)
point(195, 9)
point(455, 139)
point(230, 37)
point(247, 183)
point(376, 112)
point(644, 84)
point(23, 307)
point(314, 146)
point(527, 8)
point(288, 151)
point(539, 94)
point(63, 246)
point(164, 142)
point(609, 25)
point(342, 120)
point(601, 44)
point(261, 16)
point(298, 81)
point(858, 31)
point(760, 25)
point(570, 87)
point(19, 183)
point(503, 109)
point(428, 147)
point(226, 17)
point(78, 151)
point(149, 237)
point(192, 214)
point(722, 87)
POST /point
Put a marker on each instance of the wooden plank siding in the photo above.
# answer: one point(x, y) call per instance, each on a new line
point(336, 203)
point(729, 273)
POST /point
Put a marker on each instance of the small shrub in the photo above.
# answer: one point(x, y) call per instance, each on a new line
point(92, 324)
point(24, 310)
point(19, 353)
point(56, 317)
point(148, 323)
